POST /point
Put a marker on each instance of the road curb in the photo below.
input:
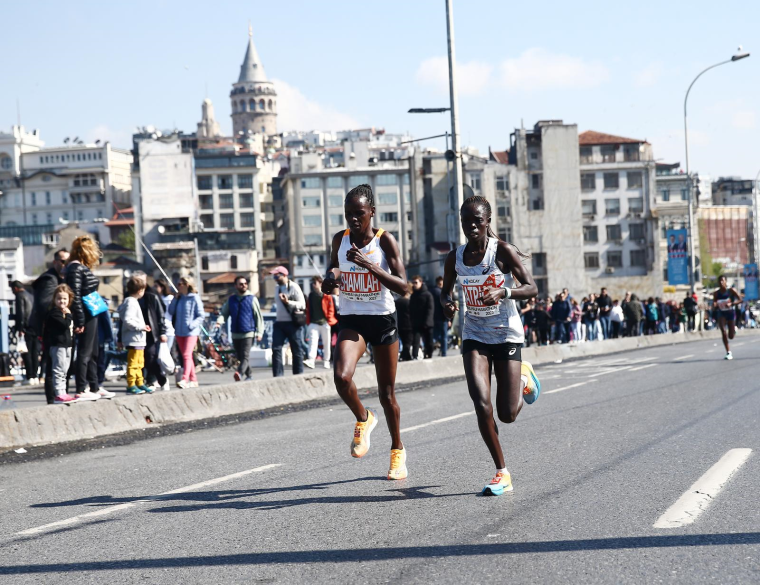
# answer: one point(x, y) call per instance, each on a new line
point(45, 424)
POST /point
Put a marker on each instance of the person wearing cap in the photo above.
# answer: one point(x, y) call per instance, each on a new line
point(291, 317)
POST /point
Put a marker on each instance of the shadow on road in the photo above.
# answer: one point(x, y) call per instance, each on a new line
point(395, 553)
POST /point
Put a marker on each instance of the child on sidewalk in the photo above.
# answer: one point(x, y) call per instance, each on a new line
point(58, 340)
point(133, 329)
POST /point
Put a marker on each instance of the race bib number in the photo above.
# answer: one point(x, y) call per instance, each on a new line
point(358, 285)
point(724, 304)
point(474, 287)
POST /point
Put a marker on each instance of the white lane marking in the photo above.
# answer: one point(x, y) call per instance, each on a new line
point(738, 344)
point(117, 507)
point(435, 422)
point(571, 386)
point(701, 494)
point(683, 357)
point(609, 371)
point(642, 367)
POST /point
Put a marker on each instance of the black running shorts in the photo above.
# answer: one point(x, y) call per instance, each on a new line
point(375, 329)
point(497, 351)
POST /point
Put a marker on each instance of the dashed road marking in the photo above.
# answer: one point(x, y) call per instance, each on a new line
point(683, 357)
point(118, 507)
point(701, 494)
point(642, 367)
point(438, 421)
point(568, 387)
point(613, 371)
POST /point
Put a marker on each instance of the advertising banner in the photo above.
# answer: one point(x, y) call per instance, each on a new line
point(678, 257)
point(750, 282)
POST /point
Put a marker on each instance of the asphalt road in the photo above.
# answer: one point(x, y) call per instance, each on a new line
point(608, 448)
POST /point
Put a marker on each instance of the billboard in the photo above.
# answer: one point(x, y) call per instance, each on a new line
point(750, 282)
point(678, 257)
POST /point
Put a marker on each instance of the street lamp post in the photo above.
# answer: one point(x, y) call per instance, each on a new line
point(692, 260)
point(454, 105)
point(756, 219)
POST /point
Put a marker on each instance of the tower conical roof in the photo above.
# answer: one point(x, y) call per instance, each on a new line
point(251, 69)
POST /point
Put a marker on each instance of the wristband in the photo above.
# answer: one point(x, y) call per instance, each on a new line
point(508, 293)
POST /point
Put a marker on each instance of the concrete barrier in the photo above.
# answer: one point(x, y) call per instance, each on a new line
point(45, 424)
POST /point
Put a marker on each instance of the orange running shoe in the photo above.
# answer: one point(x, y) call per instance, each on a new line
point(398, 464)
point(502, 482)
point(362, 430)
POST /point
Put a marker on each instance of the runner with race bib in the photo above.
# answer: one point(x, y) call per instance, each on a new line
point(724, 300)
point(492, 277)
point(366, 264)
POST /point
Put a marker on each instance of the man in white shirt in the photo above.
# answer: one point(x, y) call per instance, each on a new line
point(291, 317)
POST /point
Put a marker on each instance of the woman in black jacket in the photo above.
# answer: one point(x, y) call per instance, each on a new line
point(85, 255)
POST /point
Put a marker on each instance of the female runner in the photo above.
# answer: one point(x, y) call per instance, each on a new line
point(724, 300)
point(367, 266)
point(489, 270)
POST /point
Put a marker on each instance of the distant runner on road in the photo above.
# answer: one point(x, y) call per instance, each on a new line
point(724, 300)
point(366, 264)
point(489, 270)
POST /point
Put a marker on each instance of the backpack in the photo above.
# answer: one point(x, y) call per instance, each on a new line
point(652, 312)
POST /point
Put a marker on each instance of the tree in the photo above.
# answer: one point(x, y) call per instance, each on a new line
point(126, 239)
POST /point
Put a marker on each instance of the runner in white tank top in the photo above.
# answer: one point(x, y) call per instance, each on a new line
point(366, 265)
point(489, 270)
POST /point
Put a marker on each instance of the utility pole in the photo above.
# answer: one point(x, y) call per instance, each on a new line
point(458, 186)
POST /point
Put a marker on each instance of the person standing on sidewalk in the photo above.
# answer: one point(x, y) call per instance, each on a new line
point(154, 313)
point(187, 313)
point(58, 340)
point(422, 310)
point(31, 357)
point(440, 323)
point(320, 317)
point(291, 317)
point(604, 302)
point(616, 319)
point(243, 312)
point(133, 335)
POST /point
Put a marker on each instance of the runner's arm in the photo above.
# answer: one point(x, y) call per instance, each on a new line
point(507, 256)
point(396, 279)
point(737, 296)
point(332, 277)
point(449, 276)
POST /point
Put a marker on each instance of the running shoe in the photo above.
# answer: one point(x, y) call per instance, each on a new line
point(183, 384)
point(502, 482)
point(398, 464)
point(103, 393)
point(728, 356)
point(65, 399)
point(362, 430)
point(85, 396)
point(532, 387)
point(147, 389)
point(135, 390)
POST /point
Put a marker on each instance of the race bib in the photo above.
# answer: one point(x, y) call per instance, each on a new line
point(474, 287)
point(357, 284)
point(724, 304)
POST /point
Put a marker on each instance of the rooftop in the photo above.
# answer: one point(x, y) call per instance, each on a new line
point(593, 138)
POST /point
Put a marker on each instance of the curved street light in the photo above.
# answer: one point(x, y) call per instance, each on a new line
point(692, 265)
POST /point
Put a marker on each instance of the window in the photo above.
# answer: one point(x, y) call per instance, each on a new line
point(386, 180)
point(612, 206)
point(637, 231)
point(355, 180)
point(335, 182)
point(47, 198)
point(335, 201)
point(204, 262)
point(590, 234)
point(224, 181)
point(227, 221)
point(312, 240)
point(225, 201)
point(66, 215)
point(246, 220)
point(207, 201)
point(204, 183)
point(638, 258)
point(586, 155)
point(312, 221)
point(311, 201)
point(502, 183)
point(665, 195)
point(207, 219)
point(591, 260)
point(636, 205)
point(99, 213)
point(474, 181)
point(615, 259)
point(502, 211)
point(406, 179)
point(408, 216)
point(64, 198)
point(34, 218)
point(614, 233)
point(608, 153)
point(34, 199)
point(387, 198)
point(535, 181)
point(631, 153)
point(80, 216)
point(611, 181)
point(246, 200)
point(684, 194)
point(311, 183)
point(407, 197)
point(588, 181)
point(589, 207)
point(245, 181)
point(233, 262)
point(634, 180)
point(336, 219)
point(389, 217)
point(534, 155)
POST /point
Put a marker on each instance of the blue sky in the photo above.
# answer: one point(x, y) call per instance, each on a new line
point(98, 69)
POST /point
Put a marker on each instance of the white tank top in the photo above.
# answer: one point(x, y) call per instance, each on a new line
point(493, 324)
point(361, 293)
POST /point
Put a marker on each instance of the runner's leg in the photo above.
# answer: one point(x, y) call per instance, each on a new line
point(509, 396)
point(349, 350)
point(722, 325)
point(731, 329)
point(478, 373)
point(386, 360)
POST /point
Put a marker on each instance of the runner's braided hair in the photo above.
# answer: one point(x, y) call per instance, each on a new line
point(360, 191)
point(480, 201)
